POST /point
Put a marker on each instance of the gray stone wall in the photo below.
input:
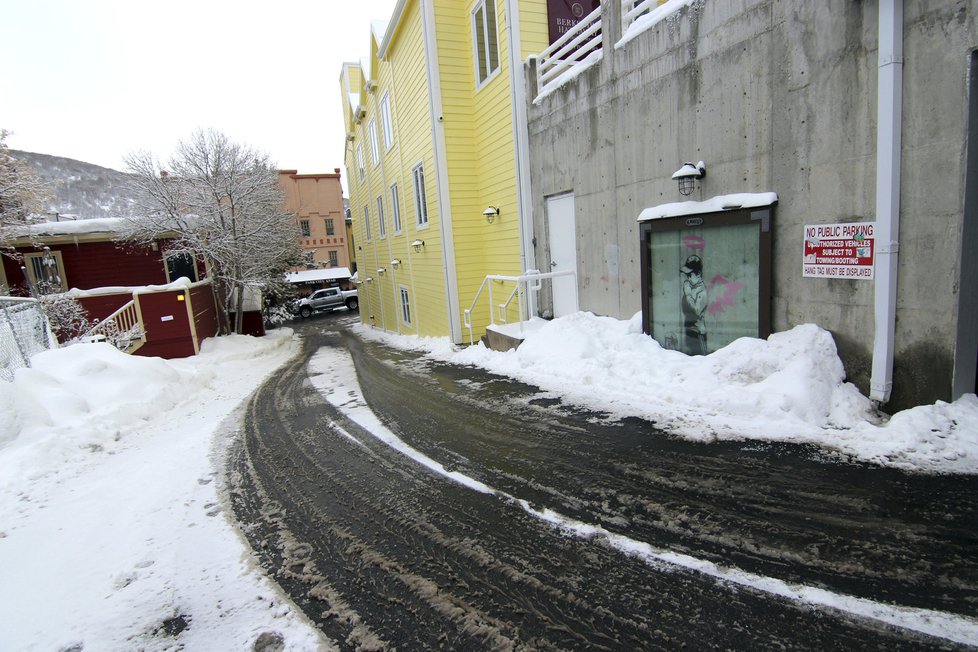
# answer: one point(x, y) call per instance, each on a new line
point(774, 95)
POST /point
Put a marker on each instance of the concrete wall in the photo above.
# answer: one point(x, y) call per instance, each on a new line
point(775, 95)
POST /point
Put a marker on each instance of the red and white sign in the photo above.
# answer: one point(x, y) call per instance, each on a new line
point(844, 251)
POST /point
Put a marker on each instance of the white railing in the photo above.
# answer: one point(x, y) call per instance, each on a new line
point(570, 49)
point(632, 10)
point(123, 329)
point(528, 282)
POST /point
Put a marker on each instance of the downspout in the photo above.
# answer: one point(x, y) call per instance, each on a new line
point(521, 136)
point(889, 125)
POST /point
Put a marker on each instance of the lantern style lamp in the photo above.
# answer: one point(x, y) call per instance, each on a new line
point(687, 176)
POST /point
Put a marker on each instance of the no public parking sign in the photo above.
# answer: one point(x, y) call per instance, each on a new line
point(840, 251)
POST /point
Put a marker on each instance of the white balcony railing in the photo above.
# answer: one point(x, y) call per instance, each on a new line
point(572, 48)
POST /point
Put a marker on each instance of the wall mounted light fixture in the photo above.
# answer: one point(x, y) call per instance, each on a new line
point(687, 176)
point(381, 270)
point(417, 244)
point(490, 213)
point(396, 263)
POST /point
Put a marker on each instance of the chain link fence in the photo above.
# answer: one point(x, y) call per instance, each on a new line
point(24, 331)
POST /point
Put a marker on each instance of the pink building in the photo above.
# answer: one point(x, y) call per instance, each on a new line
point(317, 201)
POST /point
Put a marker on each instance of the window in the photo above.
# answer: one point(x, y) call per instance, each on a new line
point(374, 148)
point(420, 200)
point(405, 306)
point(334, 259)
point(706, 279)
point(381, 227)
point(360, 160)
point(366, 222)
point(386, 121)
point(395, 209)
point(180, 264)
point(304, 227)
point(45, 271)
point(330, 229)
point(485, 41)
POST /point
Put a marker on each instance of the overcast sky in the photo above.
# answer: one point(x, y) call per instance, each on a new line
point(97, 80)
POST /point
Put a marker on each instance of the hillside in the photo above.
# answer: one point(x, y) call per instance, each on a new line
point(83, 189)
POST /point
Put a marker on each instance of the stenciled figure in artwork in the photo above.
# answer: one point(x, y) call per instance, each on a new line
point(694, 306)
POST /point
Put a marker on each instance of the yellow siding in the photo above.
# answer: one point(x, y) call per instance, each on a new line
point(479, 169)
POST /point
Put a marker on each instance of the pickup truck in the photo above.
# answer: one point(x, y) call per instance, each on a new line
point(327, 299)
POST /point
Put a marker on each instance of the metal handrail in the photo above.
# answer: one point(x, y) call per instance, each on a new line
point(532, 282)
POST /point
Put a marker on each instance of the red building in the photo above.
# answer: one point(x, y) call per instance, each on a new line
point(125, 286)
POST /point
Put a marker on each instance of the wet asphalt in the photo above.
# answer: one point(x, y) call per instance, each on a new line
point(382, 553)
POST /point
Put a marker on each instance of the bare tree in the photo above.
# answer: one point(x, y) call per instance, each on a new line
point(22, 194)
point(223, 204)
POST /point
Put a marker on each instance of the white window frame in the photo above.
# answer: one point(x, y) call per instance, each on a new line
point(59, 265)
point(366, 223)
point(166, 265)
point(387, 121)
point(374, 146)
point(405, 305)
point(420, 196)
point(485, 37)
point(381, 225)
point(396, 209)
point(360, 160)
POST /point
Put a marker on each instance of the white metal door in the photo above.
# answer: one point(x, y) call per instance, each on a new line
point(563, 252)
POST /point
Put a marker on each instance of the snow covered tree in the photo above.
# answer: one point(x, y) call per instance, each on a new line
point(22, 194)
point(220, 202)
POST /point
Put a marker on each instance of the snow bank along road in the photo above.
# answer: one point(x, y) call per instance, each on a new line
point(472, 513)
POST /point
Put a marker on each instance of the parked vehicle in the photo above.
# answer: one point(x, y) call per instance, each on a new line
point(327, 299)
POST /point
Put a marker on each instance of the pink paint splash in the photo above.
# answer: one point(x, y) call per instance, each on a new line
point(731, 288)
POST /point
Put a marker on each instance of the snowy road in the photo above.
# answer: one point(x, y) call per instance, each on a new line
point(475, 513)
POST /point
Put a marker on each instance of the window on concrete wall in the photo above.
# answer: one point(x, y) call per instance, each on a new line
point(381, 226)
point(374, 147)
point(420, 197)
point(366, 222)
point(485, 41)
point(334, 259)
point(405, 306)
point(395, 209)
point(706, 279)
point(386, 121)
point(304, 228)
point(330, 229)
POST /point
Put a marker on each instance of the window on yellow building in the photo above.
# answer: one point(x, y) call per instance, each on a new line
point(395, 209)
point(386, 121)
point(405, 306)
point(381, 227)
point(420, 198)
point(485, 41)
point(366, 222)
point(360, 160)
point(374, 148)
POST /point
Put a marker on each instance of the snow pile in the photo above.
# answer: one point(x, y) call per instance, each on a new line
point(788, 388)
point(112, 534)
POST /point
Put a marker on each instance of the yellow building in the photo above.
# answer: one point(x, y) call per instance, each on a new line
point(436, 160)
